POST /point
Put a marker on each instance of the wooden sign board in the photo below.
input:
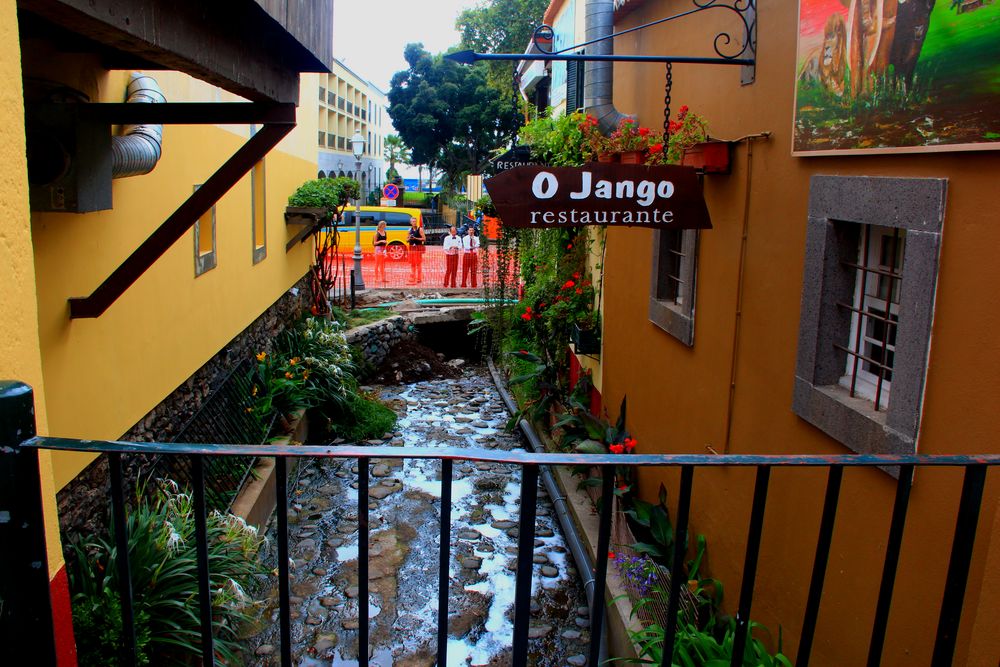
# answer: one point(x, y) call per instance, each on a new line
point(602, 194)
point(518, 156)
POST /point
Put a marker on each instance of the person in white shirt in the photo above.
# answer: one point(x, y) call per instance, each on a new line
point(470, 256)
point(452, 249)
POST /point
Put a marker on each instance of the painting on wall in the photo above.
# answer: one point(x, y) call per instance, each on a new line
point(899, 76)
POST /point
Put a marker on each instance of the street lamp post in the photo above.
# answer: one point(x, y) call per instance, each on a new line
point(358, 146)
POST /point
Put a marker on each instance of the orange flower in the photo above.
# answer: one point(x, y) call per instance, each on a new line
point(289, 375)
point(262, 356)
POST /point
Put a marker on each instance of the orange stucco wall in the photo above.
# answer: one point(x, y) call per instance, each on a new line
point(678, 397)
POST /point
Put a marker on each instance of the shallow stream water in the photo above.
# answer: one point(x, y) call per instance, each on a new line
point(404, 514)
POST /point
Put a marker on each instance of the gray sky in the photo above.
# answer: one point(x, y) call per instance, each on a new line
point(369, 35)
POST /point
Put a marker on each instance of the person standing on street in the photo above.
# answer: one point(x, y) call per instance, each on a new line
point(470, 256)
point(452, 249)
point(416, 240)
point(380, 241)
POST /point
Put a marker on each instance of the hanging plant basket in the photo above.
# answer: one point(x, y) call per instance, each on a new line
point(710, 157)
point(585, 341)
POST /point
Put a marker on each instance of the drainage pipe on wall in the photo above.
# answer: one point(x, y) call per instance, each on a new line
point(139, 147)
point(599, 76)
point(580, 557)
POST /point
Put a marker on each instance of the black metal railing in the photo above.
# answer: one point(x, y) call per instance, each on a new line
point(226, 417)
point(25, 594)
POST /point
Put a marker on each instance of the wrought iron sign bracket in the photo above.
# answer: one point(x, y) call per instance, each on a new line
point(743, 52)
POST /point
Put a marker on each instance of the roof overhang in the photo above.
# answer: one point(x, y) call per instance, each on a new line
point(253, 48)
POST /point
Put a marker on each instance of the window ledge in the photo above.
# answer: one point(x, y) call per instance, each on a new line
point(671, 318)
point(852, 421)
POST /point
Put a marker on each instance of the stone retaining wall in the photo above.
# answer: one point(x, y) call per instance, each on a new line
point(376, 339)
point(83, 502)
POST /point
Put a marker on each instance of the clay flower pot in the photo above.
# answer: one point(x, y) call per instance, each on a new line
point(633, 157)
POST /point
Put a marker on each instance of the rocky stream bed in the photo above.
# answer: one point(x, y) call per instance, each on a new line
point(404, 510)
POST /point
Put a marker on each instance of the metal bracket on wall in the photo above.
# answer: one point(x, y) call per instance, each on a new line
point(277, 121)
point(743, 52)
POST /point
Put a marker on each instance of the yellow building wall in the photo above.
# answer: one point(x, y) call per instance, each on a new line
point(102, 375)
point(19, 355)
point(678, 396)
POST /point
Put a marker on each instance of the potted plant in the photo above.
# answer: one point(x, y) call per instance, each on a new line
point(688, 131)
point(586, 338)
point(317, 201)
point(631, 141)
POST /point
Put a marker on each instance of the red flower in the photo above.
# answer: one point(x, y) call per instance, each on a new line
point(569, 284)
point(630, 444)
point(526, 317)
point(576, 275)
point(586, 283)
point(611, 555)
point(623, 487)
point(523, 351)
point(569, 247)
point(656, 148)
point(643, 131)
point(617, 449)
point(579, 291)
point(682, 112)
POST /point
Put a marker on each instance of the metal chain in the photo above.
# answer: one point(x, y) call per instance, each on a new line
point(666, 102)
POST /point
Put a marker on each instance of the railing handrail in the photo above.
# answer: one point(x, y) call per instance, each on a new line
point(517, 457)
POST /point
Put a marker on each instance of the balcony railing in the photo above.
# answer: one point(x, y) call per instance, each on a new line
point(24, 585)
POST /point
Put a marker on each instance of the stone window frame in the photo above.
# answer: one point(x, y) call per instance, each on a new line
point(839, 206)
point(204, 261)
point(258, 215)
point(675, 319)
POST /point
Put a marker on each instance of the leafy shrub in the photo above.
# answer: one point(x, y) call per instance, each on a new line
point(363, 419)
point(328, 193)
point(312, 365)
point(164, 571)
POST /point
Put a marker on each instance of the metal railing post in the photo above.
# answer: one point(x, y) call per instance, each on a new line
point(25, 605)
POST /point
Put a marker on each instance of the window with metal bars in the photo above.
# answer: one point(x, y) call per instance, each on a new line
point(871, 264)
point(671, 299)
point(871, 345)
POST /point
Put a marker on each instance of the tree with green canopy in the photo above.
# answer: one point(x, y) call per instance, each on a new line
point(447, 114)
point(500, 26)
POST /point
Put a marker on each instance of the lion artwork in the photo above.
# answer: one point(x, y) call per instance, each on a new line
point(828, 64)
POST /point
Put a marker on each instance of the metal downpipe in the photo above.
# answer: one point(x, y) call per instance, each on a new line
point(139, 147)
point(580, 557)
point(599, 76)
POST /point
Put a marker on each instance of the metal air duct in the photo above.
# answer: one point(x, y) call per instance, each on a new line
point(138, 149)
point(599, 76)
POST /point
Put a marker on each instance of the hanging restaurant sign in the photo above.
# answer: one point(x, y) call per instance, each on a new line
point(602, 194)
point(518, 156)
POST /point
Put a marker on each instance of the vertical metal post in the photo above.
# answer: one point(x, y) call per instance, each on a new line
point(26, 609)
point(363, 529)
point(525, 565)
point(892, 548)
point(680, 549)
point(601, 562)
point(128, 649)
point(444, 561)
point(284, 597)
point(354, 301)
point(819, 563)
point(201, 547)
point(750, 564)
point(358, 281)
point(958, 566)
